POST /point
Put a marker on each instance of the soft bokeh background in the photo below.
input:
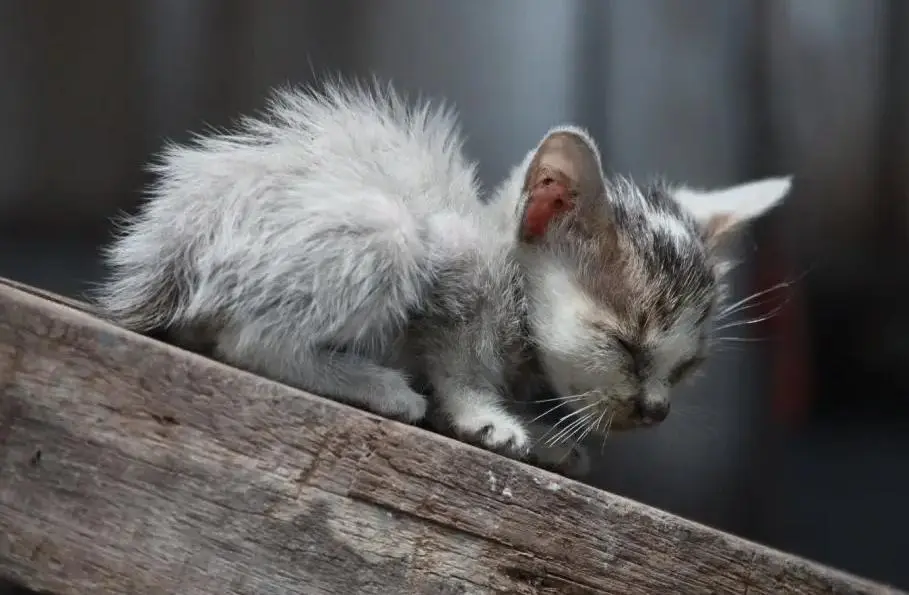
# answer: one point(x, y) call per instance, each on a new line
point(797, 434)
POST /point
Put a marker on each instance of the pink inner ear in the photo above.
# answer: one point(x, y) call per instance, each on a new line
point(548, 198)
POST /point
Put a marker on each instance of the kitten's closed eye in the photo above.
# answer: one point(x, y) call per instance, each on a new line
point(629, 348)
point(625, 346)
point(684, 369)
point(632, 352)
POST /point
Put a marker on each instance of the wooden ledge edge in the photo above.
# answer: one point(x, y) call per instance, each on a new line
point(128, 465)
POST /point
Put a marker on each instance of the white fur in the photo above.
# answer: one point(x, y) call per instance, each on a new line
point(304, 243)
point(580, 357)
point(569, 307)
point(338, 244)
point(743, 201)
point(671, 227)
point(299, 232)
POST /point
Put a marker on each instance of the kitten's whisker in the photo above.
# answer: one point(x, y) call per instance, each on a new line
point(748, 321)
point(556, 437)
point(550, 410)
point(747, 300)
point(564, 456)
point(585, 433)
point(600, 419)
point(759, 297)
point(563, 419)
point(725, 350)
point(572, 429)
point(606, 432)
point(580, 439)
point(742, 339)
point(565, 398)
point(588, 426)
point(576, 427)
point(591, 428)
point(559, 437)
point(540, 440)
point(724, 315)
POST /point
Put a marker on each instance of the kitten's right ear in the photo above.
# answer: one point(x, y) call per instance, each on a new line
point(564, 173)
point(722, 213)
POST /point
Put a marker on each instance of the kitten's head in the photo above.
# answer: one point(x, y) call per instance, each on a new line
point(623, 280)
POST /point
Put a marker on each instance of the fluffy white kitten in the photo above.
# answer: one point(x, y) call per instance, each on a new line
point(338, 244)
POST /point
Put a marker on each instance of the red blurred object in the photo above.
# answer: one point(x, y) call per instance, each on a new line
point(792, 392)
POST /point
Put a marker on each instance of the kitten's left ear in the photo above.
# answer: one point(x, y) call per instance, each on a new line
point(563, 179)
point(723, 212)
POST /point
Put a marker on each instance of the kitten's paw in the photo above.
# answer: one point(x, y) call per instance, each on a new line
point(405, 405)
point(495, 430)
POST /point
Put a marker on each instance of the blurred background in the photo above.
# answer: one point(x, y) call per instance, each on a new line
point(796, 435)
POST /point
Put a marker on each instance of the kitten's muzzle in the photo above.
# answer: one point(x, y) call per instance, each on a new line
point(650, 412)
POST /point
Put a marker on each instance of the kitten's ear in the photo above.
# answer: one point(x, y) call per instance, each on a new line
point(723, 212)
point(563, 174)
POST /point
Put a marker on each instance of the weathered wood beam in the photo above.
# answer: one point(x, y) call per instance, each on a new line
point(130, 466)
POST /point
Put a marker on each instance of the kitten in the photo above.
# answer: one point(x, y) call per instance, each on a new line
point(338, 244)
point(622, 281)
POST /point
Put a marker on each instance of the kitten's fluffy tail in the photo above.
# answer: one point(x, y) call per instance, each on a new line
point(137, 295)
point(339, 161)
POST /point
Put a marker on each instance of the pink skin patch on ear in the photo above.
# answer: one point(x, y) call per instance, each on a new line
point(548, 198)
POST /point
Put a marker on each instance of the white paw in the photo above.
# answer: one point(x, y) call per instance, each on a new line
point(405, 405)
point(493, 429)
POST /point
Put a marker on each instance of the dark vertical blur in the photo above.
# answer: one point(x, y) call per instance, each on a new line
point(797, 434)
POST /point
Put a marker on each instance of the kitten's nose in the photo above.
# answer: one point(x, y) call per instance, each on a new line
point(652, 412)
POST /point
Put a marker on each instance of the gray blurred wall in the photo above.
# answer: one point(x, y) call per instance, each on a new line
point(709, 92)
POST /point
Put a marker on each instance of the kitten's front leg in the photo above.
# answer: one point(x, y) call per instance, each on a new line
point(342, 376)
point(476, 414)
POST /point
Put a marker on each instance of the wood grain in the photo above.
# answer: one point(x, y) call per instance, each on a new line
point(130, 466)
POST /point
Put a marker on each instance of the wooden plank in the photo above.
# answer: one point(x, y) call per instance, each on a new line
point(72, 303)
point(130, 466)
